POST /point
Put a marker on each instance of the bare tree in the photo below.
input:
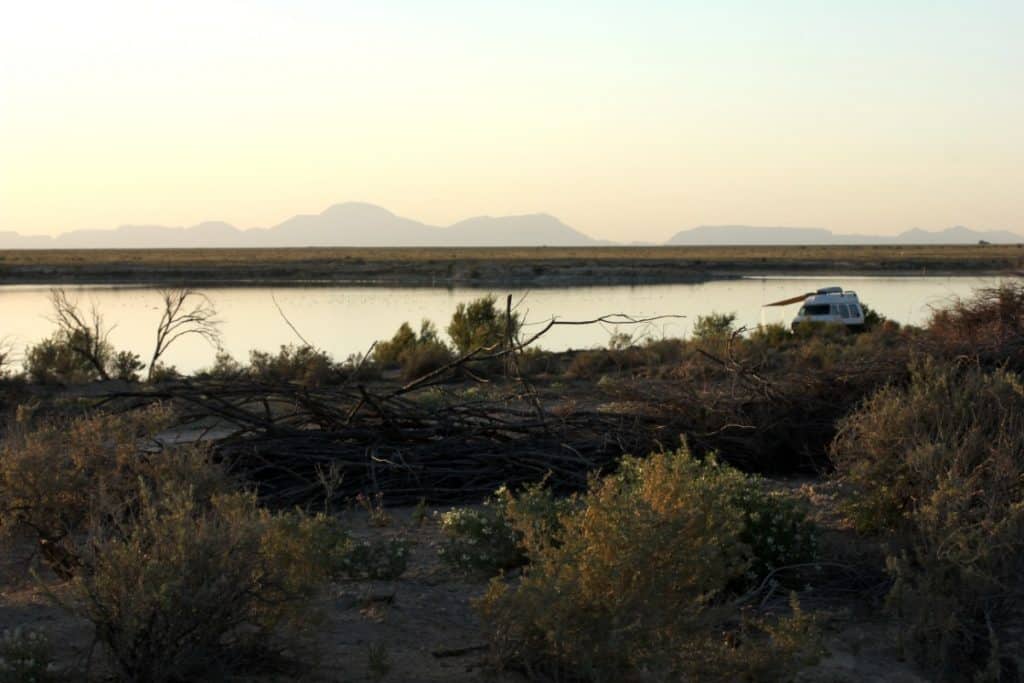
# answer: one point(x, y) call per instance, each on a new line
point(6, 356)
point(186, 311)
point(86, 335)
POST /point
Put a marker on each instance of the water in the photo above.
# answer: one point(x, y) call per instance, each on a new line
point(346, 320)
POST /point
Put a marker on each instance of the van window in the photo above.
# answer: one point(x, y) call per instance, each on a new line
point(815, 309)
point(843, 310)
point(854, 311)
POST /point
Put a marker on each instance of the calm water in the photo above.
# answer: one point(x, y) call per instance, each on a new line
point(344, 320)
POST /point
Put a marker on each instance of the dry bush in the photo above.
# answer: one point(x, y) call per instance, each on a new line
point(534, 361)
point(180, 573)
point(940, 464)
point(770, 408)
point(55, 361)
point(665, 351)
point(53, 475)
point(180, 587)
point(635, 581)
point(988, 326)
point(424, 358)
point(593, 363)
point(224, 367)
point(772, 335)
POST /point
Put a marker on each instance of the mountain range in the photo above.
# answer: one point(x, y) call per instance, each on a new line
point(755, 236)
point(355, 224)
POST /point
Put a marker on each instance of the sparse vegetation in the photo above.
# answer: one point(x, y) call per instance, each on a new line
point(939, 465)
point(189, 559)
point(636, 578)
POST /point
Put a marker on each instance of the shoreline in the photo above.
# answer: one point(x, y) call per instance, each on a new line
point(541, 267)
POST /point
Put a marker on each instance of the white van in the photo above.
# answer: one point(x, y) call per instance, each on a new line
point(831, 305)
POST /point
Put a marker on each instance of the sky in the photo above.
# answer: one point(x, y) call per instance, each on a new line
point(629, 121)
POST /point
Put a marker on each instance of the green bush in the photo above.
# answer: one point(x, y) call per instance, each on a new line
point(55, 361)
point(480, 324)
point(635, 579)
point(383, 559)
point(390, 352)
point(714, 326)
point(482, 540)
point(939, 465)
point(302, 365)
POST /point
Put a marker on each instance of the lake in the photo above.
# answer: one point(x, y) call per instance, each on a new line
point(346, 320)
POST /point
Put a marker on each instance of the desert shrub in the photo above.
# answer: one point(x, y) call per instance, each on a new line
point(424, 358)
point(873, 318)
point(389, 352)
point(714, 326)
point(535, 361)
point(54, 475)
point(55, 361)
point(596, 362)
point(125, 366)
point(482, 539)
point(479, 540)
point(224, 367)
point(939, 464)
point(772, 335)
point(180, 586)
point(303, 365)
point(480, 323)
point(360, 367)
point(383, 559)
point(664, 350)
point(635, 579)
point(988, 326)
point(830, 332)
point(162, 372)
point(618, 341)
point(590, 364)
point(25, 656)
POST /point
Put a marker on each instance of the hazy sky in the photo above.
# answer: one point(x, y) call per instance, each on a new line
point(628, 120)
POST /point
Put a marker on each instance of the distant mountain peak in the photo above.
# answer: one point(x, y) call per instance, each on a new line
point(348, 208)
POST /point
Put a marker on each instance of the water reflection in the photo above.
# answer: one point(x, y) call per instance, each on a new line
point(345, 320)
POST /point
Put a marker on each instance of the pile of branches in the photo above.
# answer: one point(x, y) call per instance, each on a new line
point(770, 417)
point(424, 440)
